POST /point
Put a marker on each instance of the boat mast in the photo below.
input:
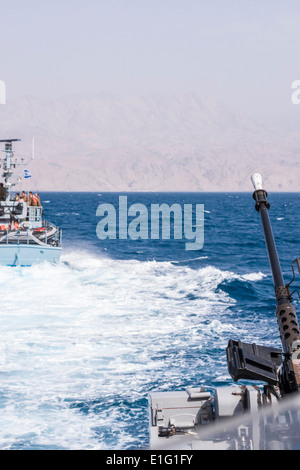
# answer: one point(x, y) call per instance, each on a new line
point(8, 165)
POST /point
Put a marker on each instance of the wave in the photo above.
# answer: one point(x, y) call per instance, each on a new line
point(85, 341)
point(254, 276)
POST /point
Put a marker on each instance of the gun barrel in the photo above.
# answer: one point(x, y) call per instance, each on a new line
point(262, 206)
point(286, 314)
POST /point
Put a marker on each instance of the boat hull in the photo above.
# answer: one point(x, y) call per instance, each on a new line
point(27, 255)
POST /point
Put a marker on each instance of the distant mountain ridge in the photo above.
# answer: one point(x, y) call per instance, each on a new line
point(148, 143)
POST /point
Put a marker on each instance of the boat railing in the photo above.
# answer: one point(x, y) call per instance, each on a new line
point(34, 213)
point(29, 236)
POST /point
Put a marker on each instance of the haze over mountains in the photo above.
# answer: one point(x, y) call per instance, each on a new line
point(149, 143)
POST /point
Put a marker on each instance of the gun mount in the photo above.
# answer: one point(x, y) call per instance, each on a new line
point(262, 417)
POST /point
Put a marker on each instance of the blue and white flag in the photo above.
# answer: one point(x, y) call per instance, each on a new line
point(27, 174)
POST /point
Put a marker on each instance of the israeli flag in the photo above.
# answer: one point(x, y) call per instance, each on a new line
point(27, 174)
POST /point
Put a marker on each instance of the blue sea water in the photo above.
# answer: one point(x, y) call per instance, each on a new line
point(84, 342)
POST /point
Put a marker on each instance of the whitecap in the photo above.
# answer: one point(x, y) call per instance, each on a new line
point(254, 276)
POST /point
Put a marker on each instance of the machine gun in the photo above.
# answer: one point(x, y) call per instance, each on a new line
point(257, 416)
point(280, 369)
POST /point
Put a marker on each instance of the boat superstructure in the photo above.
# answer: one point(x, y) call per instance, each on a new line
point(25, 237)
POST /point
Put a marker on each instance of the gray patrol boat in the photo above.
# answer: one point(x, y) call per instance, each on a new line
point(25, 237)
point(264, 415)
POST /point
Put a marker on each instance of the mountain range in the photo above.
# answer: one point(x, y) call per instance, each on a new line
point(150, 142)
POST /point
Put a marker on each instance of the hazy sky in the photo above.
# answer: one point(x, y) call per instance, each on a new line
point(245, 52)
